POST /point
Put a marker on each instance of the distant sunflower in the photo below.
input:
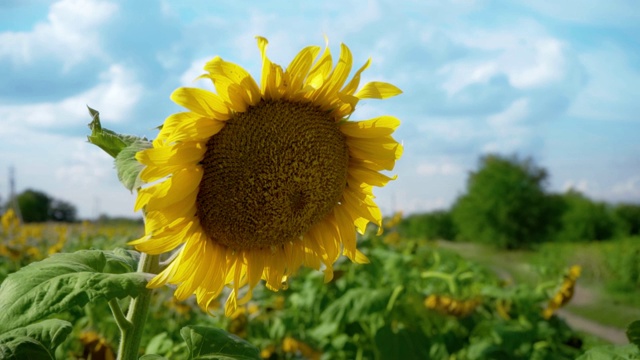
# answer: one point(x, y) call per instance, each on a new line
point(257, 181)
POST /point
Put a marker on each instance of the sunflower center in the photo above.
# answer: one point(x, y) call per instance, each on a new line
point(271, 173)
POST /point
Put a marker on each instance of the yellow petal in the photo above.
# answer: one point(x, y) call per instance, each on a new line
point(182, 153)
point(320, 70)
point(300, 66)
point(376, 127)
point(159, 245)
point(363, 206)
point(345, 226)
point(153, 173)
point(378, 90)
point(351, 87)
point(197, 130)
point(202, 102)
point(171, 122)
point(219, 68)
point(267, 82)
point(366, 176)
point(181, 185)
point(341, 71)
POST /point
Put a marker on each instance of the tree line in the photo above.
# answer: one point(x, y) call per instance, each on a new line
point(506, 204)
point(36, 206)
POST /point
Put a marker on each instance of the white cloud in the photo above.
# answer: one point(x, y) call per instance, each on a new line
point(70, 34)
point(115, 96)
point(439, 167)
point(527, 61)
point(450, 129)
point(189, 78)
point(628, 189)
point(66, 168)
point(509, 129)
point(514, 114)
point(581, 185)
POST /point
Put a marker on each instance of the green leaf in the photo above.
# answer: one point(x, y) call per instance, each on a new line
point(612, 352)
point(35, 341)
point(159, 344)
point(357, 304)
point(121, 261)
point(128, 166)
point(152, 357)
point(401, 344)
point(212, 343)
point(109, 141)
point(63, 281)
point(633, 333)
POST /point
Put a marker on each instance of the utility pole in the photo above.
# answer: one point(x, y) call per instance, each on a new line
point(13, 198)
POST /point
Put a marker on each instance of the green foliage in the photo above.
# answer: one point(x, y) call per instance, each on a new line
point(128, 166)
point(36, 206)
point(35, 341)
point(58, 284)
point(611, 352)
point(211, 343)
point(584, 219)
point(623, 264)
point(629, 217)
point(432, 226)
point(64, 284)
point(378, 311)
point(633, 333)
point(505, 204)
point(64, 281)
point(62, 211)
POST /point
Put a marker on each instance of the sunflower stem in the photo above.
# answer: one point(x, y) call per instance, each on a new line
point(130, 336)
point(118, 315)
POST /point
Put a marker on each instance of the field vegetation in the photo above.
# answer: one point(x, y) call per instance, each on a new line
point(432, 289)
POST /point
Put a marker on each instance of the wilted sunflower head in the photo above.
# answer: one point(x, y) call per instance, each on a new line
point(255, 181)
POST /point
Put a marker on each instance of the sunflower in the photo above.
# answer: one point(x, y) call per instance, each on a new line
point(255, 181)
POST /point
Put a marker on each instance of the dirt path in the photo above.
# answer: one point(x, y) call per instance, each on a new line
point(608, 333)
point(583, 296)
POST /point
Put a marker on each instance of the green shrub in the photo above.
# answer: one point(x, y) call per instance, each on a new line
point(584, 219)
point(436, 225)
point(505, 204)
point(628, 216)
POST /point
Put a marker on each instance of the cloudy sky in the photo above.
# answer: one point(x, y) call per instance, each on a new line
point(555, 80)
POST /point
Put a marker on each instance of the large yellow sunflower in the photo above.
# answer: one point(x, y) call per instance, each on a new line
point(255, 181)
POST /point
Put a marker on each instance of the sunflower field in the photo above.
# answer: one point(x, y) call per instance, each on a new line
point(412, 301)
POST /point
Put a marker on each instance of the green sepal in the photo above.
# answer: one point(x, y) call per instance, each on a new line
point(121, 147)
point(128, 166)
point(212, 343)
point(109, 141)
point(64, 281)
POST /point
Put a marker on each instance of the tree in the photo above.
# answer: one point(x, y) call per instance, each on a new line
point(583, 219)
point(629, 218)
point(62, 211)
point(505, 203)
point(36, 206)
point(432, 226)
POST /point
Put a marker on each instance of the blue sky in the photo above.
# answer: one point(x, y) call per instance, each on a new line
point(557, 81)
